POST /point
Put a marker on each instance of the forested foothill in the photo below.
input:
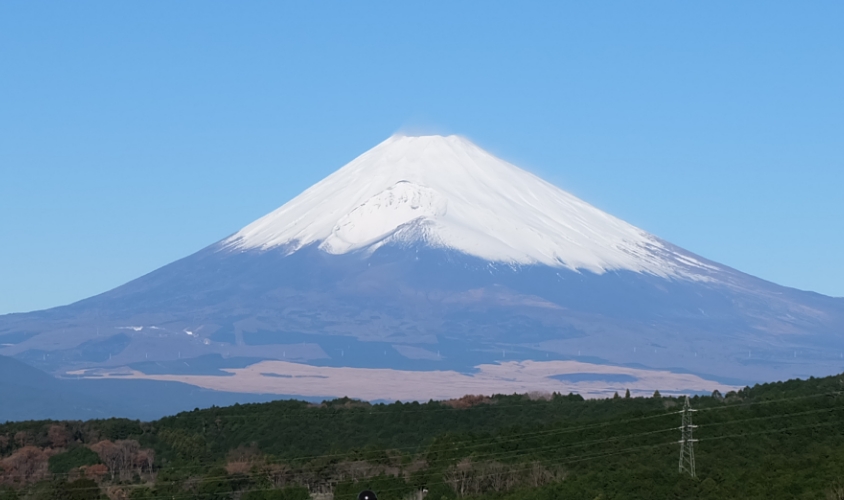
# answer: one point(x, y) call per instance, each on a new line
point(778, 440)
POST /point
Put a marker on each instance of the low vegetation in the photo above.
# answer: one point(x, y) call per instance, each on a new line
point(781, 440)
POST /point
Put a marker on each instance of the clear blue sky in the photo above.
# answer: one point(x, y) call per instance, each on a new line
point(135, 133)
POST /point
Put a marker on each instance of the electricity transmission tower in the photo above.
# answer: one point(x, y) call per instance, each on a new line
point(687, 450)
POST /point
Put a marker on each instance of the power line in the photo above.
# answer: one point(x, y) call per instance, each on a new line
point(608, 424)
point(516, 453)
point(520, 437)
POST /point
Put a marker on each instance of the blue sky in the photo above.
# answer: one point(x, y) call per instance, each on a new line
point(133, 134)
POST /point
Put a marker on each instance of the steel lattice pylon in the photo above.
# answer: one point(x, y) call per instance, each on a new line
point(687, 443)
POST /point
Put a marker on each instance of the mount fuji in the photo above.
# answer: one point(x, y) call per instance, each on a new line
point(427, 267)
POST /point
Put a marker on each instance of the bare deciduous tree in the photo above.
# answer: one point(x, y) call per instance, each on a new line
point(21, 438)
point(109, 454)
point(459, 476)
point(58, 436)
point(26, 465)
point(474, 478)
point(127, 451)
point(96, 472)
point(277, 474)
point(145, 461)
point(498, 476)
point(836, 491)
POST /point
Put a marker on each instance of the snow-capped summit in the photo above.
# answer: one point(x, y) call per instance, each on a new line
point(449, 193)
point(430, 254)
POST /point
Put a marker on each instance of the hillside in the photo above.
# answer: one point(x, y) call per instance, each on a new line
point(780, 440)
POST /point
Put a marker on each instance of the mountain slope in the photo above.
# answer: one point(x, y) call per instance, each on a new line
point(429, 254)
point(30, 394)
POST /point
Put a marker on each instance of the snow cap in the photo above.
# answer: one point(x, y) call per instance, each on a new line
point(446, 192)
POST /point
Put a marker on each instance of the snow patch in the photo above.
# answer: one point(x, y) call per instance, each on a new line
point(381, 215)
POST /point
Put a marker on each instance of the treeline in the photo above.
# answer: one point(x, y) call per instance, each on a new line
point(781, 440)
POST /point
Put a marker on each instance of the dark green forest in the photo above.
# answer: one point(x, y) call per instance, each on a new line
point(778, 440)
